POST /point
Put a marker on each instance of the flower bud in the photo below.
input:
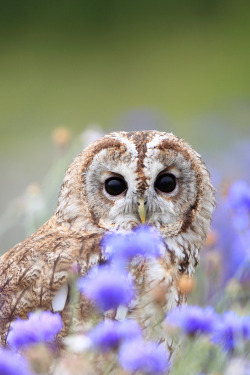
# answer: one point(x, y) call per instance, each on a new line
point(186, 284)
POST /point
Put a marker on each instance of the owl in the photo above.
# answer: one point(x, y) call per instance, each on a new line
point(119, 182)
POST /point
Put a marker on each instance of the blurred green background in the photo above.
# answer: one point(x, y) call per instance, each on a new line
point(181, 66)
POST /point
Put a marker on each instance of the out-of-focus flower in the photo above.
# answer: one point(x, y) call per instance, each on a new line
point(233, 230)
point(61, 136)
point(212, 238)
point(143, 241)
point(240, 220)
point(109, 334)
point(105, 335)
point(40, 327)
point(129, 329)
point(34, 189)
point(13, 364)
point(77, 343)
point(107, 287)
point(240, 253)
point(239, 195)
point(231, 330)
point(239, 202)
point(239, 366)
point(147, 357)
point(193, 319)
point(186, 284)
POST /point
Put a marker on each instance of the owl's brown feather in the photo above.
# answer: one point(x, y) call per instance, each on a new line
point(35, 269)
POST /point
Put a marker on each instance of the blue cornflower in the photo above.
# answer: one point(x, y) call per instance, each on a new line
point(241, 220)
point(13, 364)
point(233, 245)
point(143, 241)
point(144, 356)
point(40, 327)
point(105, 335)
point(231, 330)
point(240, 251)
point(239, 195)
point(193, 319)
point(107, 287)
point(108, 334)
point(129, 329)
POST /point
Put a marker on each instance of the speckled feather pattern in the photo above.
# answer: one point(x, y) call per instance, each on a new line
point(32, 272)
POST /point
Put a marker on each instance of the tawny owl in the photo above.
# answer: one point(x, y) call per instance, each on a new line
point(118, 182)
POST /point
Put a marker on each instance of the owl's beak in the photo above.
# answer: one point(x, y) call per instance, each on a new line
point(142, 210)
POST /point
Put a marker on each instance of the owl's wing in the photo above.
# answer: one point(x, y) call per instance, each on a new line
point(33, 271)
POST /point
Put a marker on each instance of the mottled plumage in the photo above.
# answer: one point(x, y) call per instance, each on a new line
point(34, 271)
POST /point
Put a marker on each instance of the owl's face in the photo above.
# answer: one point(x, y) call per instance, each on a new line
point(126, 186)
point(124, 179)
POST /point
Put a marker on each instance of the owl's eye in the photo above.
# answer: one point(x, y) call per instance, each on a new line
point(115, 185)
point(165, 183)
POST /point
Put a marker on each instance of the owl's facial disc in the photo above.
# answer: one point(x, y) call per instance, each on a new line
point(120, 197)
point(144, 177)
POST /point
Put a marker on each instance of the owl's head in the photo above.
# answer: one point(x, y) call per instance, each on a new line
point(125, 179)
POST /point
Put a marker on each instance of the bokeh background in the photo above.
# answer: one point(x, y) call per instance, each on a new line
point(178, 66)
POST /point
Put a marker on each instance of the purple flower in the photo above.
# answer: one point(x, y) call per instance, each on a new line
point(241, 220)
point(105, 335)
point(13, 364)
point(240, 252)
point(231, 330)
point(140, 355)
point(129, 329)
point(107, 287)
point(40, 327)
point(239, 195)
point(144, 241)
point(193, 319)
point(108, 334)
point(231, 220)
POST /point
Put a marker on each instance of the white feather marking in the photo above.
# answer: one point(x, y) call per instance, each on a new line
point(121, 312)
point(59, 300)
point(158, 137)
point(94, 259)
